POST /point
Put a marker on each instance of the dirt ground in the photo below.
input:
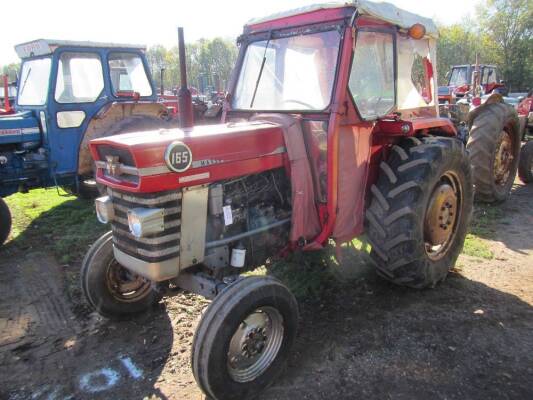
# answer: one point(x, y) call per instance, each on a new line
point(469, 338)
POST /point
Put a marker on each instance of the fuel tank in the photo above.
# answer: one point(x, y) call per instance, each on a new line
point(167, 159)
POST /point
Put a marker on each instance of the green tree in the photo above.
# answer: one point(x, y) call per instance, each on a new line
point(509, 24)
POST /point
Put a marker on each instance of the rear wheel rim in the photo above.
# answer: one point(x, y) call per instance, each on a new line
point(442, 216)
point(503, 160)
point(124, 285)
point(255, 344)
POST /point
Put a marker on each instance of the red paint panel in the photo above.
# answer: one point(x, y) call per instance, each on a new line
point(306, 18)
point(218, 152)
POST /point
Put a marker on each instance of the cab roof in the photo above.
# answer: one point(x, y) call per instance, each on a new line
point(380, 10)
point(41, 47)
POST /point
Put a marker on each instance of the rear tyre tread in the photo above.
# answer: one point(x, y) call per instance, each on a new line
point(525, 164)
point(486, 126)
point(400, 256)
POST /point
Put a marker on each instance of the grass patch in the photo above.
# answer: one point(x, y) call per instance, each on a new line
point(311, 275)
point(476, 247)
point(46, 219)
point(485, 215)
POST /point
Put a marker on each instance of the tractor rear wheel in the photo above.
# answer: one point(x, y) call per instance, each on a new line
point(494, 147)
point(420, 210)
point(5, 221)
point(525, 166)
point(111, 289)
point(244, 338)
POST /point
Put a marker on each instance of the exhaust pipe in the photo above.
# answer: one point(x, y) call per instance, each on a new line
point(184, 94)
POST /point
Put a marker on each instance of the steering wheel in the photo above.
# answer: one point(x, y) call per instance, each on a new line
point(308, 106)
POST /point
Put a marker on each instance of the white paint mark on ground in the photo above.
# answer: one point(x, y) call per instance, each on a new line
point(100, 380)
point(134, 371)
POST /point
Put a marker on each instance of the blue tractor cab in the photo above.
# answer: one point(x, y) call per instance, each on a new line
point(69, 93)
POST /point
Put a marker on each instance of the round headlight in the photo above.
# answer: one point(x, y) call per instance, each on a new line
point(134, 224)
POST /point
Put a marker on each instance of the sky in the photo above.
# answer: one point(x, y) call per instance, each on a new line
point(149, 23)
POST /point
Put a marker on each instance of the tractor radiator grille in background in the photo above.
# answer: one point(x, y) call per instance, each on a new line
point(156, 247)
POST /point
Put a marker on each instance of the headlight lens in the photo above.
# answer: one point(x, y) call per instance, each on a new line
point(104, 209)
point(146, 221)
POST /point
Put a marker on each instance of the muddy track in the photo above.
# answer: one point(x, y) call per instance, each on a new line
point(469, 338)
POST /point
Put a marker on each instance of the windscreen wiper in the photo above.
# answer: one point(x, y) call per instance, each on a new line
point(25, 80)
point(260, 73)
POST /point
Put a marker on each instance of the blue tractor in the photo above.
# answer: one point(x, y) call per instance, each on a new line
point(69, 93)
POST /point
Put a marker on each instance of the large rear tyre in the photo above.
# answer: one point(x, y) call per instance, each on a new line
point(5, 221)
point(244, 338)
point(494, 147)
point(420, 209)
point(111, 289)
point(525, 166)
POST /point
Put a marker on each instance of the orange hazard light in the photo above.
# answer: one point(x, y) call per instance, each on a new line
point(417, 31)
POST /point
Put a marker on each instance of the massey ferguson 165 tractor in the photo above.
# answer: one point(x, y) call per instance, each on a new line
point(69, 93)
point(330, 130)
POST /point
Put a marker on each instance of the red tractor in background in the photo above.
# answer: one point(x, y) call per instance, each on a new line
point(8, 92)
point(488, 126)
point(330, 129)
point(461, 80)
point(525, 115)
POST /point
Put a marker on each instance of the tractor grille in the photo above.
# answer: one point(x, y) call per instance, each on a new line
point(156, 247)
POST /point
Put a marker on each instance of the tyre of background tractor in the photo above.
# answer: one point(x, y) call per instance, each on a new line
point(244, 338)
point(88, 188)
point(420, 210)
point(525, 165)
point(109, 288)
point(5, 221)
point(494, 147)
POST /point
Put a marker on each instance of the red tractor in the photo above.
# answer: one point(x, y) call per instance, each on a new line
point(461, 80)
point(330, 129)
point(525, 114)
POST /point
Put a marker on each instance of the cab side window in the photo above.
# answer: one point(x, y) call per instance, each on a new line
point(128, 74)
point(372, 76)
point(80, 78)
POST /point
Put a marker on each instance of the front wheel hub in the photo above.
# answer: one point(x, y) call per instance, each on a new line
point(255, 344)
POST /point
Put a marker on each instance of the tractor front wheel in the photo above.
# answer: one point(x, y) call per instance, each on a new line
point(244, 338)
point(420, 210)
point(525, 166)
point(111, 289)
point(5, 221)
point(494, 147)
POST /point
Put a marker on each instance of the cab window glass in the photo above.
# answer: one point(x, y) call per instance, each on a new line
point(33, 82)
point(128, 74)
point(420, 77)
point(372, 75)
point(79, 78)
point(416, 83)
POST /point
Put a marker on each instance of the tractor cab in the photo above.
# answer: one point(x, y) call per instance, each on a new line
point(66, 89)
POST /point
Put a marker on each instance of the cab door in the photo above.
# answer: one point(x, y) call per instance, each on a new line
point(77, 93)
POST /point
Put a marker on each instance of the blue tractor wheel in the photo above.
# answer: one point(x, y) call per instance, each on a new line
point(5, 221)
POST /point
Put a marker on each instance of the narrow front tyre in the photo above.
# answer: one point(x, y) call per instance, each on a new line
point(5, 221)
point(112, 290)
point(244, 338)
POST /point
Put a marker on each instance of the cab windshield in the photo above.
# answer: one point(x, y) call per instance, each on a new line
point(459, 77)
point(34, 80)
point(290, 73)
